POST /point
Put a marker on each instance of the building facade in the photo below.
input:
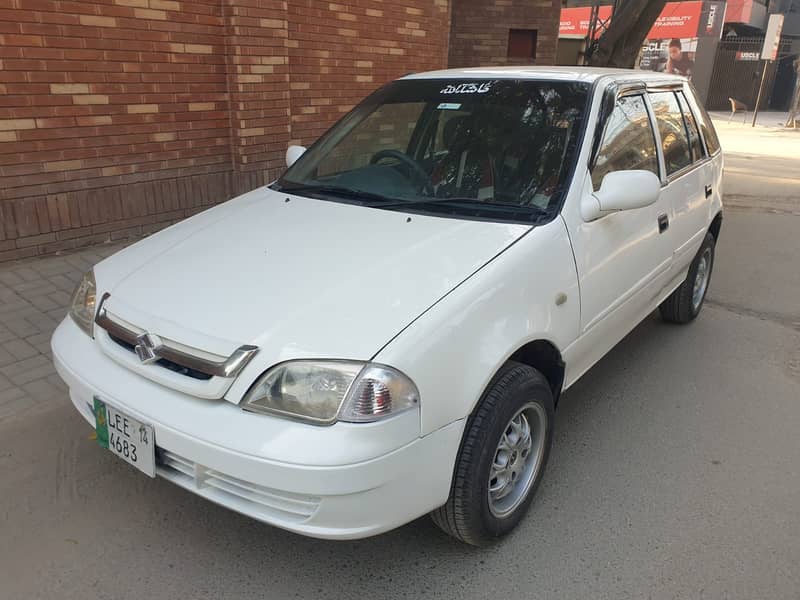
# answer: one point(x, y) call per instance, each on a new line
point(118, 117)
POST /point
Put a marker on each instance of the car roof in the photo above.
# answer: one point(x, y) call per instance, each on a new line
point(586, 74)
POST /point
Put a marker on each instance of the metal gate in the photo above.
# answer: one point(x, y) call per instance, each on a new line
point(785, 74)
point(737, 73)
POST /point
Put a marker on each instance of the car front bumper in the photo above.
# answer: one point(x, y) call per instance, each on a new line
point(345, 481)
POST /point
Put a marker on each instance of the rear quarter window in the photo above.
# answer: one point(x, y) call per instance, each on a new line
point(691, 127)
point(704, 122)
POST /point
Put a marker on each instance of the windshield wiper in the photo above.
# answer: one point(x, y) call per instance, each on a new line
point(388, 202)
point(335, 190)
point(431, 200)
point(464, 200)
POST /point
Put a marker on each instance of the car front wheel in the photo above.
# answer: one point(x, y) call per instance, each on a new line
point(502, 457)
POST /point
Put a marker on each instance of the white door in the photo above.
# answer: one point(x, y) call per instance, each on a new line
point(689, 175)
point(623, 259)
point(624, 254)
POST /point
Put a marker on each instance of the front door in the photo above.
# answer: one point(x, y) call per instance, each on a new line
point(623, 258)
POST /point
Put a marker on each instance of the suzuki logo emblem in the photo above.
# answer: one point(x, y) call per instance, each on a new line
point(146, 348)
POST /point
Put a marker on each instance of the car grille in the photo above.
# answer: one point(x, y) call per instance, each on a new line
point(170, 354)
point(249, 498)
point(167, 364)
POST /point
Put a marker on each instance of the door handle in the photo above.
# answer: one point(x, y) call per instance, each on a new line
point(709, 191)
point(663, 223)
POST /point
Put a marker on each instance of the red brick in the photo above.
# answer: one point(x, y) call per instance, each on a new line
point(21, 40)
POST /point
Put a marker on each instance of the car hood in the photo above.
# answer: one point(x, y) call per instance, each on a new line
point(295, 276)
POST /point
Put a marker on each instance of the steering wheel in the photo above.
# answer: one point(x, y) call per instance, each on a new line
point(416, 170)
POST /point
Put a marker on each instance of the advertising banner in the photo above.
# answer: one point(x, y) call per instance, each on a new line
point(669, 55)
point(671, 44)
point(575, 21)
point(677, 20)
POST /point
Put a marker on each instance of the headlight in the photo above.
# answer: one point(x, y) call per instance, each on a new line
point(323, 392)
point(83, 303)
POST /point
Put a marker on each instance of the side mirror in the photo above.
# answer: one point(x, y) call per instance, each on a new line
point(621, 190)
point(293, 153)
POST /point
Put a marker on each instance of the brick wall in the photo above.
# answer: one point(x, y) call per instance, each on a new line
point(340, 52)
point(480, 29)
point(118, 117)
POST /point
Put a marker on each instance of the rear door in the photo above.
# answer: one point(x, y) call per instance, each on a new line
point(712, 170)
point(688, 180)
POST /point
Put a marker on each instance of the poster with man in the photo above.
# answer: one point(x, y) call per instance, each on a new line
point(680, 61)
point(671, 45)
point(671, 55)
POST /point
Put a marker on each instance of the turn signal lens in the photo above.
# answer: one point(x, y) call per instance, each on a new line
point(378, 392)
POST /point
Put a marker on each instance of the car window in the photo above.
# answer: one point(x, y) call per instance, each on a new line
point(445, 116)
point(498, 149)
point(674, 139)
point(388, 128)
point(706, 127)
point(628, 141)
point(691, 127)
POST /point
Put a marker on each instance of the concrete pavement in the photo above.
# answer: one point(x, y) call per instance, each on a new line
point(34, 296)
point(673, 474)
point(761, 163)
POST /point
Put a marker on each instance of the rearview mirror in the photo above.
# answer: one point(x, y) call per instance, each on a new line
point(621, 190)
point(293, 153)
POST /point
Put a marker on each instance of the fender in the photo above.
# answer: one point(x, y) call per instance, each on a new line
point(477, 327)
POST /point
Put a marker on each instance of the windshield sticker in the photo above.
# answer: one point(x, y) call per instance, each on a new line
point(448, 106)
point(467, 88)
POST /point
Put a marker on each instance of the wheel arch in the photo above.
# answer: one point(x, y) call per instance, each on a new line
point(546, 358)
point(716, 226)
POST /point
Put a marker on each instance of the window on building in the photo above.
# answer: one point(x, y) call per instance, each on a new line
point(628, 141)
point(522, 43)
point(674, 139)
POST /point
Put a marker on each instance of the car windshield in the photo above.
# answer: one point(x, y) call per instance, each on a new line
point(494, 149)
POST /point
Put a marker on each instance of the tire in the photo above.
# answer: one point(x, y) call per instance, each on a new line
point(473, 514)
point(682, 305)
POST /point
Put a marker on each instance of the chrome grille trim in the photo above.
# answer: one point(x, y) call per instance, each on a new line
point(227, 367)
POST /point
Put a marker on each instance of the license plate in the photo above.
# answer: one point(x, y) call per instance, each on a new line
point(131, 440)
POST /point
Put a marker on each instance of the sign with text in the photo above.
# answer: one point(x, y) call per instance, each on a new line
point(574, 22)
point(669, 55)
point(747, 56)
point(772, 39)
point(711, 19)
point(677, 20)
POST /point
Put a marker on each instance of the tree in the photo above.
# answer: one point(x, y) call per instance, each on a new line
point(794, 107)
point(619, 45)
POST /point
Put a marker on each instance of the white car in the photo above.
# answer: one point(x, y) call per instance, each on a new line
point(385, 330)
